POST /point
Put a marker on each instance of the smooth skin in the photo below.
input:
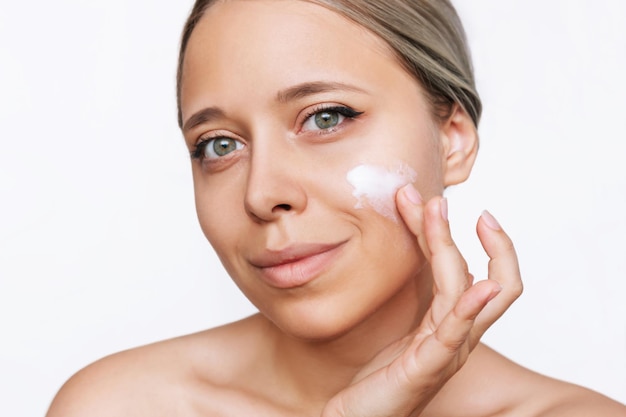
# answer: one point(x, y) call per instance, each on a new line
point(390, 325)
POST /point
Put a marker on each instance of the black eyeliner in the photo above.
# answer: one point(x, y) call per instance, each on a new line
point(343, 110)
point(198, 150)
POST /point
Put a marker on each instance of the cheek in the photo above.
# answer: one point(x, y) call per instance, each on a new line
point(219, 209)
point(430, 170)
point(375, 186)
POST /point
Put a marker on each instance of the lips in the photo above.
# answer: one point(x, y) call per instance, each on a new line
point(296, 265)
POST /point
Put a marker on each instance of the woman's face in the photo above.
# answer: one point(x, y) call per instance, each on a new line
point(280, 101)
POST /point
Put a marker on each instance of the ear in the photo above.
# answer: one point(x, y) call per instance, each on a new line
point(459, 140)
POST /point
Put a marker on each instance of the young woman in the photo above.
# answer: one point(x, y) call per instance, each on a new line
point(322, 136)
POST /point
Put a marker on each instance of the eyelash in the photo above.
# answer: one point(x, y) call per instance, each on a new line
point(199, 150)
point(347, 112)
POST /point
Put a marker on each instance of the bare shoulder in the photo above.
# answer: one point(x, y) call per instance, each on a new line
point(549, 397)
point(570, 400)
point(494, 385)
point(158, 379)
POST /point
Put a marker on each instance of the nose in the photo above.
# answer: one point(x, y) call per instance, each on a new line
point(274, 185)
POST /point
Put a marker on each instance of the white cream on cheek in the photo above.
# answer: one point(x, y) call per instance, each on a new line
point(376, 186)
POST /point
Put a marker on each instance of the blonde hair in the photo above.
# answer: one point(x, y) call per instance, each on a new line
point(426, 35)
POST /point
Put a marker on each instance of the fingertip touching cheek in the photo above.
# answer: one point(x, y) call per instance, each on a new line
point(375, 186)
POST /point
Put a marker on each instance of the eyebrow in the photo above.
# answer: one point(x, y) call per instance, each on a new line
point(289, 94)
point(310, 88)
point(203, 116)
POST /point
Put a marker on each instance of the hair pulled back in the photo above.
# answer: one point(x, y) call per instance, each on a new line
point(426, 35)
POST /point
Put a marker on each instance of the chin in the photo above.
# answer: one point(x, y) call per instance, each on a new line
point(362, 310)
point(317, 325)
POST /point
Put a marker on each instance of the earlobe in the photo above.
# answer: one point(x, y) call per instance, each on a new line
point(460, 146)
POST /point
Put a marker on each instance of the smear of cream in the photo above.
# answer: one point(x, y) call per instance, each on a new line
point(376, 186)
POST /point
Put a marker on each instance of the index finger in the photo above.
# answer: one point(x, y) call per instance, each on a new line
point(503, 268)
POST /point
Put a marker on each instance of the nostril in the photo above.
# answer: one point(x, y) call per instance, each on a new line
point(284, 207)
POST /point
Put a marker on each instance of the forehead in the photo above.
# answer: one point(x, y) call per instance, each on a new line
point(262, 46)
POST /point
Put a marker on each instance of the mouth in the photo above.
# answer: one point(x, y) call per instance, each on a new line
point(295, 265)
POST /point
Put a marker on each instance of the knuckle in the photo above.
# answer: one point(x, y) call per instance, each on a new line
point(518, 289)
point(507, 246)
point(446, 240)
point(465, 268)
point(451, 346)
point(515, 289)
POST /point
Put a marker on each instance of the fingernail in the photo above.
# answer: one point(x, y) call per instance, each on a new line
point(412, 194)
point(490, 221)
point(494, 292)
point(443, 205)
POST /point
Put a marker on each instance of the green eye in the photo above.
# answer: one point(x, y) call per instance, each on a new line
point(216, 148)
point(222, 146)
point(327, 119)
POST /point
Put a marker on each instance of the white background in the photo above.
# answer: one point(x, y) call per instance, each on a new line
point(99, 246)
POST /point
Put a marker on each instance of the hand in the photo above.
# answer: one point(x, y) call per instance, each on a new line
point(403, 378)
